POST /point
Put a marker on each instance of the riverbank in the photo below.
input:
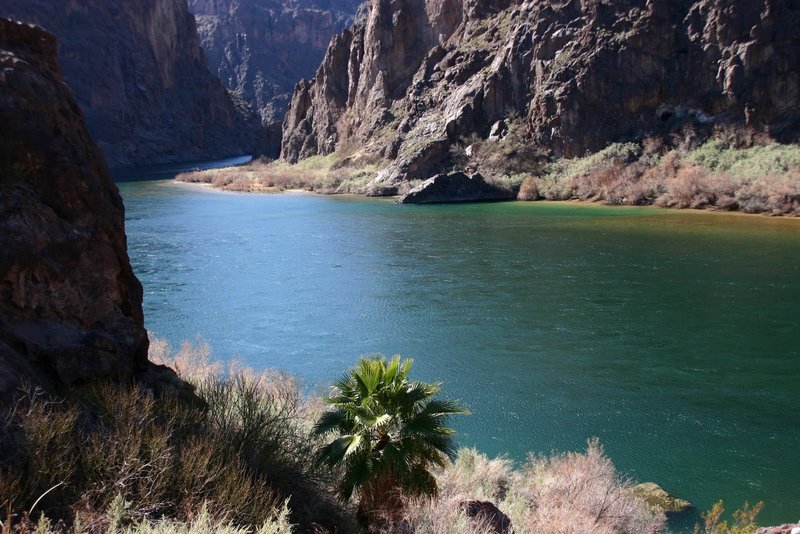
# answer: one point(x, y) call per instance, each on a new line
point(715, 175)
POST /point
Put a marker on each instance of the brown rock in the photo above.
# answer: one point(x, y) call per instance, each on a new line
point(70, 305)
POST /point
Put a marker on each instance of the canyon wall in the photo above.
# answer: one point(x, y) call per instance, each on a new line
point(415, 78)
point(70, 305)
point(261, 48)
point(139, 74)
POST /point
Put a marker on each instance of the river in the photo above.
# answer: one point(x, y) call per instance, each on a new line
point(670, 335)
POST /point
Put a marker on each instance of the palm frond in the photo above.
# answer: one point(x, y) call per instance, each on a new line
point(334, 420)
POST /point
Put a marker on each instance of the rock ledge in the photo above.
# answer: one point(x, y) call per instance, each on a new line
point(455, 187)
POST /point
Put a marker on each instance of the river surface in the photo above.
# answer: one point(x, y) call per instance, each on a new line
point(673, 336)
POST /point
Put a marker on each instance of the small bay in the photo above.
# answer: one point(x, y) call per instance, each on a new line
point(670, 335)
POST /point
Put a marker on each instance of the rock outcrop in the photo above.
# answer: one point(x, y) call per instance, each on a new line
point(260, 48)
point(139, 74)
point(416, 78)
point(659, 500)
point(70, 305)
point(456, 187)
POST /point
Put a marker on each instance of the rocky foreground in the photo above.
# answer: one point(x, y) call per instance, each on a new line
point(417, 81)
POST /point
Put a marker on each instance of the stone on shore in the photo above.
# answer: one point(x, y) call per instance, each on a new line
point(456, 187)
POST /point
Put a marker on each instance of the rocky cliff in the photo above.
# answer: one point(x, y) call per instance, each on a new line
point(70, 305)
point(261, 48)
point(416, 78)
point(141, 78)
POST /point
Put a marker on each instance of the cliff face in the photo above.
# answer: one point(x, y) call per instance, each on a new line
point(416, 76)
point(70, 305)
point(260, 48)
point(141, 77)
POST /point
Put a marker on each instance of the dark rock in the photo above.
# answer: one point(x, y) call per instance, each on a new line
point(141, 78)
point(573, 76)
point(486, 511)
point(260, 48)
point(70, 305)
point(455, 187)
point(659, 500)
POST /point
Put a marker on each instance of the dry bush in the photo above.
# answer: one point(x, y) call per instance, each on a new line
point(438, 516)
point(475, 476)
point(560, 494)
point(576, 492)
point(238, 458)
point(529, 190)
point(761, 178)
point(337, 173)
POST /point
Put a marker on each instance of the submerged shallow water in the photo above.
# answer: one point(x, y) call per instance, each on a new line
point(671, 336)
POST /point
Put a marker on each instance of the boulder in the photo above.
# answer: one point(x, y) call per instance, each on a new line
point(486, 511)
point(455, 187)
point(659, 500)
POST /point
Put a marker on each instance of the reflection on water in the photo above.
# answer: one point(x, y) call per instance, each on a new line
point(672, 336)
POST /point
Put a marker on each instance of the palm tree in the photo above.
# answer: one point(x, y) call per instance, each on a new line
point(388, 432)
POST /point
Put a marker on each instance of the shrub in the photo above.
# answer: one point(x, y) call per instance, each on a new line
point(716, 174)
point(239, 459)
point(572, 492)
point(744, 520)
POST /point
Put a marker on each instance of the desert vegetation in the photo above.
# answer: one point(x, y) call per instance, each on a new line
point(339, 173)
point(717, 174)
point(115, 458)
point(252, 454)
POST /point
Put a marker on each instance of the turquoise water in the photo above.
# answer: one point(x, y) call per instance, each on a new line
point(671, 336)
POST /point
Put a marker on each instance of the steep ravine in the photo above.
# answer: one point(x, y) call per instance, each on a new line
point(416, 78)
point(261, 48)
point(141, 78)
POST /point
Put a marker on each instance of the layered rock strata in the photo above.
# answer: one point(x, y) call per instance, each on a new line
point(139, 74)
point(70, 305)
point(417, 77)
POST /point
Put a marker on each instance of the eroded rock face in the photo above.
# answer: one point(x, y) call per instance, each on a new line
point(417, 77)
point(70, 305)
point(139, 74)
point(261, 48)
